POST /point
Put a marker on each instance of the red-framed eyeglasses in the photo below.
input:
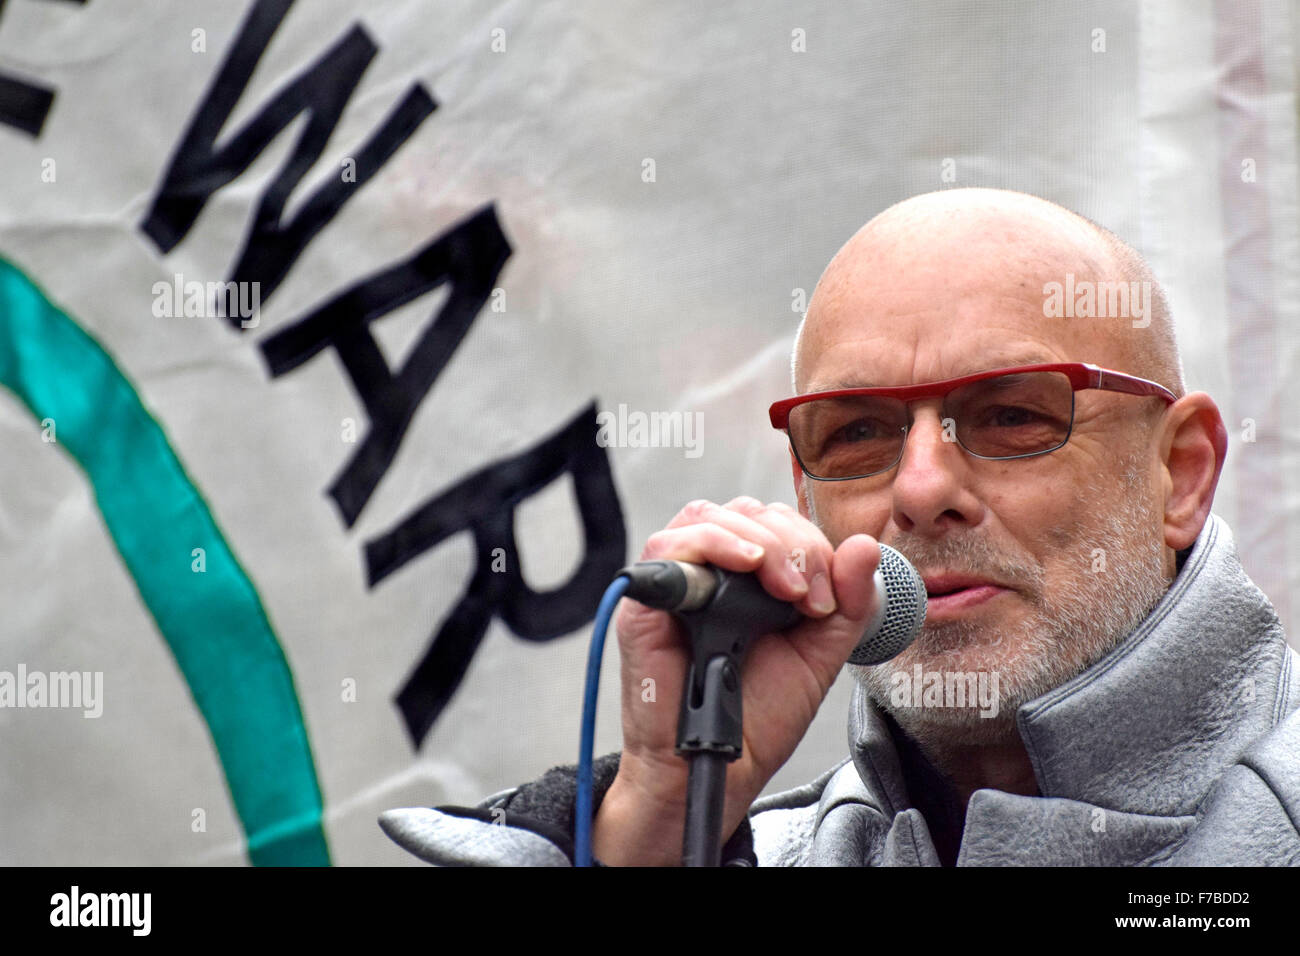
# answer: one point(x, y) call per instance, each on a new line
point(1018, 412)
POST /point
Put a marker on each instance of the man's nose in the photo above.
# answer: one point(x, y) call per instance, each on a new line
point(931, 492)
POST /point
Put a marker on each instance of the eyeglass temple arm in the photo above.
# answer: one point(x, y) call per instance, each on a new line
point(1119, 382)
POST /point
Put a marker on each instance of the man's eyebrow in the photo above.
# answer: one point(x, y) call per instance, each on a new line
point(1013, 360)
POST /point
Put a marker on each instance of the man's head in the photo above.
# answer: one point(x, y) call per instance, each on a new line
point(1082, 538)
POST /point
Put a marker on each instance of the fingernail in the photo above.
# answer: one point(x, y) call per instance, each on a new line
point(820, 596)
point(751, 550)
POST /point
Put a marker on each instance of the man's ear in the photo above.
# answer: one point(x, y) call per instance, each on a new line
point(1193, 446)
point(800, 486)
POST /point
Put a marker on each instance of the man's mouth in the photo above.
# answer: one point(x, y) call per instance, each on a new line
point(939, 584)
point(949, 595)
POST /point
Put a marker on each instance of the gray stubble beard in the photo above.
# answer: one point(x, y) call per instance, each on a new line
point(1070, 631)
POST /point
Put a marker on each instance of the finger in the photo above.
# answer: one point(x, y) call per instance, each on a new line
point(807, 552)
point(780, 577)
point(708, 543)
point(697, 511)
point(826, 644)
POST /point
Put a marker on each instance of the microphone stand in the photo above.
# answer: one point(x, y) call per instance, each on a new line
point(721, 617)
point(709, 726)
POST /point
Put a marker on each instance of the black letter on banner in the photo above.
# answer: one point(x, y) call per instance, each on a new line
point(24, 106)
point(485, 503)
point(199, 168)
point(470, 256)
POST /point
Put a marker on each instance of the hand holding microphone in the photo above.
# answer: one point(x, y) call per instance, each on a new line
point(682, 587)
point(785, 677)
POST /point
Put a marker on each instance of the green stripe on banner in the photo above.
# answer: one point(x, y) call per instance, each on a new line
point(214, 622)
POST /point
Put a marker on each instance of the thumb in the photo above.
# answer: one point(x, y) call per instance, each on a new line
point(830, 640)
point(852, 567)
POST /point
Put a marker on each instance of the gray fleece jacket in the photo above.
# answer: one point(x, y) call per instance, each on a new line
point(1179, 748)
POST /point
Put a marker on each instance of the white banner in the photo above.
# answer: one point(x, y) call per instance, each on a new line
point(307, 312)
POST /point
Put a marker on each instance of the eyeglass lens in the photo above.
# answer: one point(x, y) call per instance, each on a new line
point(1009, 416)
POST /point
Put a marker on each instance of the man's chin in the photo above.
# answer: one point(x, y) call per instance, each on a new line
point(965, 690)
point(1003, 650)
point(968, 727)
point(939, 701)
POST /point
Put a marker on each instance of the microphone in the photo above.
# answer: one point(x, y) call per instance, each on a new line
point(683, 587)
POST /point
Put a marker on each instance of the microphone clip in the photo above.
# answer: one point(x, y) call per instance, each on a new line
point(722, 612)
point(710, 720)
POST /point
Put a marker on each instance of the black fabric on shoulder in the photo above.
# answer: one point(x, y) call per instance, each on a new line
point(552, 800)
point(553, 797)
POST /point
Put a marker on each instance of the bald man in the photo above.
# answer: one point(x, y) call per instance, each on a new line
point(990, 384)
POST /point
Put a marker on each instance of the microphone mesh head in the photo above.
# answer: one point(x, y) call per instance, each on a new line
point(904, 611)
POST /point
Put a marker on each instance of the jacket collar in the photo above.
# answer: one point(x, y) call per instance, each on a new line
point(1152, 725)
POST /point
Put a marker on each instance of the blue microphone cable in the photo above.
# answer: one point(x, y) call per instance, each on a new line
point(582, 831)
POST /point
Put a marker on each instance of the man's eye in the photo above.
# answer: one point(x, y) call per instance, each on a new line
point(1011, 416)
point(863, 429)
